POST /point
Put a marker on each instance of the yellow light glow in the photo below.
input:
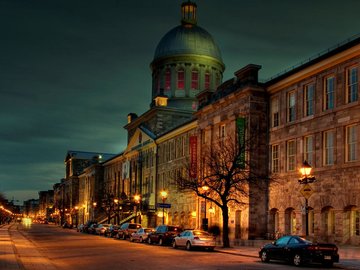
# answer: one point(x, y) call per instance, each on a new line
point(193, 214)
point(305, 170)
point(137, 198)
point(163, 194)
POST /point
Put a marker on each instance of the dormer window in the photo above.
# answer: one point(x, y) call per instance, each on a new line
point(194, 79)
point(181, 79)
point(207, 80)
point(167, 79)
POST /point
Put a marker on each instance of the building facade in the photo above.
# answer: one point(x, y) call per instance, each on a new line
point(314, 116)
point(310, 113)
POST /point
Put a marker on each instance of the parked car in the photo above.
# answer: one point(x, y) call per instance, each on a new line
point(92, 228)
point(80, 228)
point(299, 251)
point(164, 234)
point(67, 225)
point(127, 229)
point(112, 230)
point(87, 226)
point(101, 228)
point(195, 238)
point(141, 234)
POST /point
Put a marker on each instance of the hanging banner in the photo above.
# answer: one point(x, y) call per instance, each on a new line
point(240, 126)
point(193, 157)
point(126, 170)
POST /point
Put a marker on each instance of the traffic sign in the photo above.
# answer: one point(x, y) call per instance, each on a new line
point(164, 205)
point(306, 191)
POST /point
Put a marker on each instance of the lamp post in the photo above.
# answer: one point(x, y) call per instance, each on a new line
point(205, 191)
point(76, 215)
point(94, 204)
point(163, 197)
point(116, 201)
point(137, 201)
point(306, 191)
point(84, 206)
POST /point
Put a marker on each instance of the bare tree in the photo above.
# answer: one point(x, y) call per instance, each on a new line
point(231, 170)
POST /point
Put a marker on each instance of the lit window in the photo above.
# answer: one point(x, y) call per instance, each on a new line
point(352, 84)
point(329, 93)
point(275, 112)
point(308, 149)
point(207, 80)
point(222, 131)
point(275, 158)
point(180, 79)
point(309, 100)
point(194, 79)
point(167, 79)
point(329, 148)
point(291, 151)
point(351, 143)
point(291, 107)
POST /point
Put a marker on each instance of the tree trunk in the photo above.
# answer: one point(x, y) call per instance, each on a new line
point(225, 236)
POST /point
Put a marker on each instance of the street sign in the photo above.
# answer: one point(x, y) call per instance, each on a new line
point(306, 191)
point(164, 205)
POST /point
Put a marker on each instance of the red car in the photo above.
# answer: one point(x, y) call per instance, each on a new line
point(164, 234)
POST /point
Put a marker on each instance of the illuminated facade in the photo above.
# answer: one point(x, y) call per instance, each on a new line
point(310, 113)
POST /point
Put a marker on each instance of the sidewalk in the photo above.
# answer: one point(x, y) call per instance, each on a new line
point(17, 252)
point(8, 259)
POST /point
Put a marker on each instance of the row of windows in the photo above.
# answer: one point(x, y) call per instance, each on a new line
point(173, 149)
point(328, 149)
point(352, 220)
point(180, 80)
point(351, 89)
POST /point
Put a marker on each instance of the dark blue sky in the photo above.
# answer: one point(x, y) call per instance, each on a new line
point(71, 70)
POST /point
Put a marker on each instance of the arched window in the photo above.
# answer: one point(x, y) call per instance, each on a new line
point(194, 79)
point(218, 80)
point(328, 221)
point(167, 79)
point(290, 221)
point(207, 80)
point(180, 79)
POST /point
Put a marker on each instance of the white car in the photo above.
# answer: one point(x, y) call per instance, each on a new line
point(195, 238)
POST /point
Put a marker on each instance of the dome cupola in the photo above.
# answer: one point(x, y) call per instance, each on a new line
point(186, 61)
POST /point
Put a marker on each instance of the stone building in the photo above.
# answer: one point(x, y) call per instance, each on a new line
point(315, 116)
point(309, 113)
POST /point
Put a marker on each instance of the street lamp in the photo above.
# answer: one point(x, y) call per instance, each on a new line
point(306, 191)
point(116, 201)
point(163, 194)
point(93, 210)
point(205, 190)
point(84, 206)
point(137, 201)
point(76, 215)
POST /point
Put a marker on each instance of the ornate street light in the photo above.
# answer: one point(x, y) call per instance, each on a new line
point(164, 195)
point(306, 190)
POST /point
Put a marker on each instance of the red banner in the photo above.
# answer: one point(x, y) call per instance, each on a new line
point(193, 157)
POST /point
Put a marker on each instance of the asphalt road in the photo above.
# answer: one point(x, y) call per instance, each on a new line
point(68, 249)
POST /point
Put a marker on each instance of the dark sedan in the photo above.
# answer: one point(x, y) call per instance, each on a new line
point(298, 251)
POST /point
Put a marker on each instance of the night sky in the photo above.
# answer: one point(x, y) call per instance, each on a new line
point(71, 71)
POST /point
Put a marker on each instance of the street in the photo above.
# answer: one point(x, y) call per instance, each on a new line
point(42, 246)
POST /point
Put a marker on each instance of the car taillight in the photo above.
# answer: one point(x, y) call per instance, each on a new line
point(313, 248)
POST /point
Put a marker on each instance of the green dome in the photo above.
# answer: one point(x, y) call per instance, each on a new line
point(187, 40)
